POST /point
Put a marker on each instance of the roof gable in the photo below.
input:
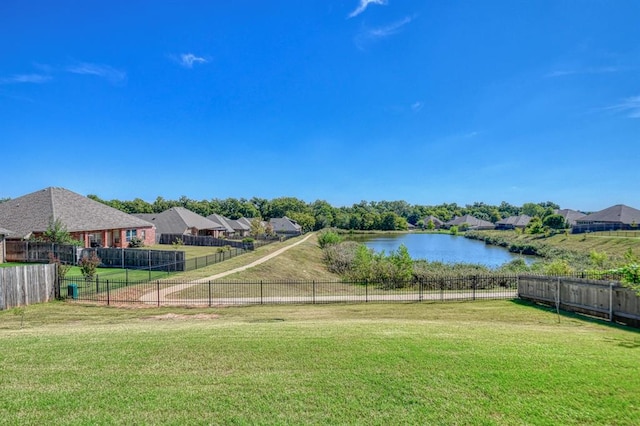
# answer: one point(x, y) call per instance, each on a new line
point(222, 221)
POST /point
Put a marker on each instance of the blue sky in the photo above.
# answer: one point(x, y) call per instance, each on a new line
point(422, 101)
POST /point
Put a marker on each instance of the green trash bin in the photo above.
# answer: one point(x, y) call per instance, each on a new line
point(72, 291)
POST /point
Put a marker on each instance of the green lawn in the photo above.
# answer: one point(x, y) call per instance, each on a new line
point(496, 362)
point(119, 274)
point(12, 264)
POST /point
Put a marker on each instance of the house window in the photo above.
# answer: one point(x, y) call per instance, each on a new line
point(95, 240)
point(131, 233)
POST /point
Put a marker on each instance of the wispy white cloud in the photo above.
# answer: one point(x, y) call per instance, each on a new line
point(375, 34)
point(578, 71)
point(629, 107)
point(188, 59)
point(107, 72)
point(363, 6)
point(25, 78)
point(417, 106)
point(391, 29)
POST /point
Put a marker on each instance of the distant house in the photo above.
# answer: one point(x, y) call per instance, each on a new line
point(179, 220)
point(570, 216)
point(224, 222)
point(437, 223)
point(93, 223)
point(513, 222)
point(470, 222)
point(618, 217)
point(240, 227)
point(285, 226)
point(3, 234)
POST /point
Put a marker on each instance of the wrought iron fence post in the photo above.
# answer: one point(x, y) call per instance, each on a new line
point(209, 293)
point(366, 291)
point(97, 285)
point(474, 285)
point(108, 295)
point(420, 289)
point(261, 292)
point(313, 283)
point(158, 288)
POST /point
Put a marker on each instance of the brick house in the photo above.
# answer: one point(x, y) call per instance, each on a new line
point(93, 223)
point(614, 218)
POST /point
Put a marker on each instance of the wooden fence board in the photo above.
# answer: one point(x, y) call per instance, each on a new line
point(602, 299)
point(24, 285)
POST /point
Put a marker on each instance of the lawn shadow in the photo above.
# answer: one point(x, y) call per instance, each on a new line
point(627, 343)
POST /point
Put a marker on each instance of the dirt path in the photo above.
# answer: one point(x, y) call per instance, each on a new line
point(153, 296)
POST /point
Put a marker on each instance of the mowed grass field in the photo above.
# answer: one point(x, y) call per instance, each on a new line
point(489, 362)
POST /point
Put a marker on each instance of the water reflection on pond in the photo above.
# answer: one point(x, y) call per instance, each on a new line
point(441, 247)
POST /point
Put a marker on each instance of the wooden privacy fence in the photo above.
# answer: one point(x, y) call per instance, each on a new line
point(203, 240)
point(608, 300)
point(38, 252)
point(24, 285)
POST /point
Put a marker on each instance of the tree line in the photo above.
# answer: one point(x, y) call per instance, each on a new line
point(365, 215)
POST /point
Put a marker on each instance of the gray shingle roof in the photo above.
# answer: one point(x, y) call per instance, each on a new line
point(238, 225)
point(614, 214)
point(33, 212)
point(570, 216)
point(246, 221)
point(284, 224)
point(221, 220)
point(435, 220)
point(4, 232)
point(472, 221)
point(178, 220)
point(515, 221)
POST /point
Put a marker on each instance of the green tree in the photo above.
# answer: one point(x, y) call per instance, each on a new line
point(533, 210)
point(535, 226)
point(558, 267)
point(598, 259)
point(257, 227)
point(305, 220)
point(403, 264)
point(57, 233)
point(328, 237)
point(554, 221)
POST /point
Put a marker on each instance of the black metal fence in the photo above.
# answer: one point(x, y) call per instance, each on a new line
point(602, 227)
point(151, 260)
point(214, 293)
point(204, 240)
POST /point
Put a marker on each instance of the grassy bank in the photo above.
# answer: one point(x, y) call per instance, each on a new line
point(573, 247)
point(458, 363)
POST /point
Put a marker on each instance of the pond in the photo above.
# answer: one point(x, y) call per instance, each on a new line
point(444, 248)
